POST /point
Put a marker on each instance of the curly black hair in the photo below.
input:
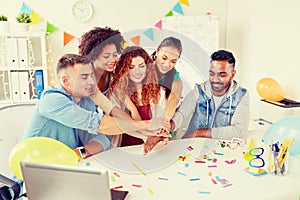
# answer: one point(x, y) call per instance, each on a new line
point(93, 41)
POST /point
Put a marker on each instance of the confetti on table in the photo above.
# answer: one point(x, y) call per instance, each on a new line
point(224, 186)
point(199, 161)
point(186, 164)
point(162, 178)
point(230, 162)
point(181, 173)
point(139, 169)
point(214, 160)
point(194, 179)
point(113, 179)
point(136, 185)
point(116, 174)
point(187, 155)
point(87, 164)
point(215, 182)
point(190, 148)
point(203, 192)
point(211, 166)
point(150, 191)
point(209, 174)
point(117, 187)
point(219, 154)
point(181, 158)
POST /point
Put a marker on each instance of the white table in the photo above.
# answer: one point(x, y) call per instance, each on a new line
point(178, 186)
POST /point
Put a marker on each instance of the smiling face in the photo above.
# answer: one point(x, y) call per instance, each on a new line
point(79, 80)
point(167, 58)
point(107, 58)
point(137, 71)
point(220, 75)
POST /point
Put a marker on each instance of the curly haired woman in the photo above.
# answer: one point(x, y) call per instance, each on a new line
point(102, 46)
point(135, 89)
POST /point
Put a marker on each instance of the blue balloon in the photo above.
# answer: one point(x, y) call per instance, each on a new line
point(288, 128)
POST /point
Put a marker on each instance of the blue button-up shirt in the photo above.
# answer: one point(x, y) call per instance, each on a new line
point(58, 116)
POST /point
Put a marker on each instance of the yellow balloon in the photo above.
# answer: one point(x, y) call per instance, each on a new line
point(269, 89)
point(41, 150)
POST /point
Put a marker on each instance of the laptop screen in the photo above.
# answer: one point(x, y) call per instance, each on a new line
point(48, 182)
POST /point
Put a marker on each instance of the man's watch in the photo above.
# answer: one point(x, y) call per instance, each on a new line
point(82, 152)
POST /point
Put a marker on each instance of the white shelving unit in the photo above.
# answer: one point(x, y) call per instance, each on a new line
point(23, 67)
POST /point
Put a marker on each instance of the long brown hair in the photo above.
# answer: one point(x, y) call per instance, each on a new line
point(122, 86)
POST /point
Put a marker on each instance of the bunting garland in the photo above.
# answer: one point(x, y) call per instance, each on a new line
point(25, 8)
point(177, 8)
point(149, 33)
point(170, 13)
point(185, 2)
point(159, 24)
point(136, 40)
point(67, 38)
point(50, 28)
point(35, 18)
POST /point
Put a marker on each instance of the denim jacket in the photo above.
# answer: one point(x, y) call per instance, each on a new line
point(58, 116)
point(231, 118)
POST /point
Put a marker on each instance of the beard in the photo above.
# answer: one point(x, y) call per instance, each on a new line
point(220, 87)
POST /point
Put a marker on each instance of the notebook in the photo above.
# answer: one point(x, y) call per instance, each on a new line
point(49, 182)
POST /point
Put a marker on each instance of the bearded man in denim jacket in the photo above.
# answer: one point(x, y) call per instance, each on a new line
point(219, 107)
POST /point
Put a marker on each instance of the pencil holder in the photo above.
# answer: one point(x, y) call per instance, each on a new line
point(278, 160)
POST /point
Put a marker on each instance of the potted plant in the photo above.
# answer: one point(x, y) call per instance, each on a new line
point(3, 24)
point(23, 20)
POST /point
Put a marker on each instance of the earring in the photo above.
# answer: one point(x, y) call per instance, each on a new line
point(153, 57)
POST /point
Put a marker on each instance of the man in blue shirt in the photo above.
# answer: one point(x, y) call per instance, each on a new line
point(66, 113)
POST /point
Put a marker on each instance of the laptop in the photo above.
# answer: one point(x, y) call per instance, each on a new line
point(49, 182)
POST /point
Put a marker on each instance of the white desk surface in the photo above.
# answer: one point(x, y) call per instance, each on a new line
point(244, 186)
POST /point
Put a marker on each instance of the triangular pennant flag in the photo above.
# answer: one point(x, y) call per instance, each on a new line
point(149, 33)
point(50, 28)
point(67, 38)
point(159, 24)
point(35, 18)
point(170, 13)
point(25, 9)
point(136, 40)
point(185, 2)
point(125, 44)
point(79, 41)
point(177, 8)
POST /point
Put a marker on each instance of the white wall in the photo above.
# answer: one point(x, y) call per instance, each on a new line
point(265, 38)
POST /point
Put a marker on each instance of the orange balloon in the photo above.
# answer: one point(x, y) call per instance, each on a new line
point(269, 89)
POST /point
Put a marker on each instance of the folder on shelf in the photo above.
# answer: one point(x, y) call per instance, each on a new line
point(12, 52)
point(15, 86)
point(24, 85)
point(39, 82)
point(22, 52)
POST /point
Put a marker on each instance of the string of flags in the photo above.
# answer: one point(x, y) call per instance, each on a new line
point(177, 8)
point(67, 37)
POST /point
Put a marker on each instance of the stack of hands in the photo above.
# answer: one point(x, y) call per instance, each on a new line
point(161, 136)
